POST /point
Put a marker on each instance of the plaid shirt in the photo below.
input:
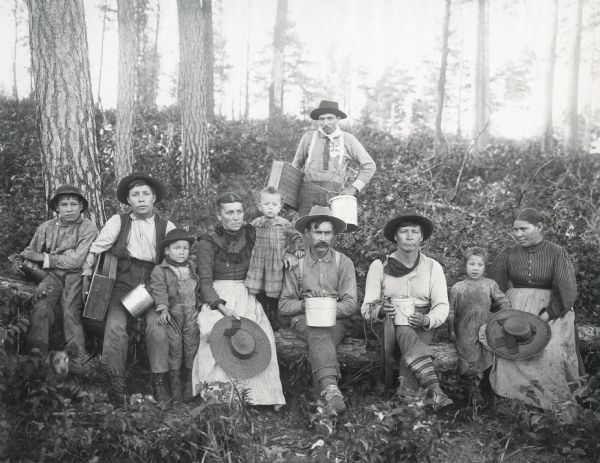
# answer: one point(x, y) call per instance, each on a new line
point(274, 237)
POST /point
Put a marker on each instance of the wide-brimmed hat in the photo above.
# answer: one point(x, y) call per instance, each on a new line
point(240, 347)
point(327, 107)
point(178, 234)
point(320, 212)
point(123, 187)
point(67, 190)
point(389, 230)
point(516, 335)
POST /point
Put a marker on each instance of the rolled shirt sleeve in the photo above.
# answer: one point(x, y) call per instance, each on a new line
point(372, 290)
point(360, 156)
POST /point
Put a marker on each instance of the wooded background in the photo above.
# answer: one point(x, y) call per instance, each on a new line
point(471, 109)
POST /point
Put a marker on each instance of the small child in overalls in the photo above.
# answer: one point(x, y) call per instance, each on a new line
point(278, 244)
point(470, 307)
point(173, 287)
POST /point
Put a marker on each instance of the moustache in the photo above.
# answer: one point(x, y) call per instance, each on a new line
point(322, 243)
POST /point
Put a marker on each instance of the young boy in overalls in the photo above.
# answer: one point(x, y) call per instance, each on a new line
point(134, 238)
point(173, 286)
point(59, 246)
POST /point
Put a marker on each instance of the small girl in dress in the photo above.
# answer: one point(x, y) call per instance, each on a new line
point(471, 303)
point(278, 245)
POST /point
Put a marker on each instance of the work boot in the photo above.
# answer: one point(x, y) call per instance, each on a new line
point(188, 387)
point(160, 387)
point(334, 399)
point(175, 382)
point(428, 379)
point(440, 400)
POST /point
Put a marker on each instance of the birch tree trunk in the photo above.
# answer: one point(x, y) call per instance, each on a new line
point(126, 89)
point(15, 92)
point(63, 97)
point(276, 87)
point(439, 136)
point(570, 141)
point(547, 141)
point(192, 97)
point(481, 85)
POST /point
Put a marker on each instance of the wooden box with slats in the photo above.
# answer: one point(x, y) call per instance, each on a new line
point(101, 287)
point(287, 179)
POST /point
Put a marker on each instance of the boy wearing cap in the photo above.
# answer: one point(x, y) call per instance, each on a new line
point(59, 246)
point(324, 155)
point(173, 288)
point(135, 239)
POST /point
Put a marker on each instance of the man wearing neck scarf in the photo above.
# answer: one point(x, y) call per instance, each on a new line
point(411, 288)
point(324, 155)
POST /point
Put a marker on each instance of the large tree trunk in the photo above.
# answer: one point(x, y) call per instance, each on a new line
point(547, 141)
point(439, 136)
point(570, 141)
point(192, 97)
point(63, 95)
point(481, 85)
point(15, 92)
point(276, 87)
point(126, 89)
point(208, 57)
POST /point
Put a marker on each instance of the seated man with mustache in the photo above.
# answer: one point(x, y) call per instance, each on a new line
point(322, 273)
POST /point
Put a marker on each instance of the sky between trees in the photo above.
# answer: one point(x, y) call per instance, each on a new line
point(343, 47)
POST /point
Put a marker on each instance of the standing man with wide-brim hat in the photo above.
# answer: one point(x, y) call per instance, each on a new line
point(321, 273)
point(135, 238)
point(323, 155)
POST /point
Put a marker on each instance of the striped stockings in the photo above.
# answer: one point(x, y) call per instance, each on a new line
point(425, 374)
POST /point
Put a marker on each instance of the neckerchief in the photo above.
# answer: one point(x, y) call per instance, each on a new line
point(395, 268)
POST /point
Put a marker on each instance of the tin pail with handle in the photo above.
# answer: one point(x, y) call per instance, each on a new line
point(404, 307)
point(345, 207)
point(137, 301)
point(320, 311)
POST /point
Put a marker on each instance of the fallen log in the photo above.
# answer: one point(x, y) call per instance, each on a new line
point(353, 353)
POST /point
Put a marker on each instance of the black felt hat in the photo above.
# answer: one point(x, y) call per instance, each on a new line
point(240, 347)
point(327, 107)
point(408, 216)
point(124, 186)
point(67, 190)
point(178, 234)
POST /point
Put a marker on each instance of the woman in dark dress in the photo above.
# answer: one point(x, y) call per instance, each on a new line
point(223, 257)
point(538, 277)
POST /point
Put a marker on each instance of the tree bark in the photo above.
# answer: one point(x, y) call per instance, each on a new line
point(547, 141)
point(192, 97)
point(63, 96)
point(208, 67)
point(481, 86)
point(571, 136)
point(277, 65)
point(126, 89)
point(15, 91)
point(439, 136)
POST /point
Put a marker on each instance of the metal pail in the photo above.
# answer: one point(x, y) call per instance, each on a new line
point(404, 307)
point(320, 311)
point(137, 301)
point(345, 207)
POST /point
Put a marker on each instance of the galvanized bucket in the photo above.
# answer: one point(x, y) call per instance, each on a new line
point(320, 311)
point(137, 301)
point(404, 307)
point(345, 207)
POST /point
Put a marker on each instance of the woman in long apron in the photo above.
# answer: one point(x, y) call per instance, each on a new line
point(538, 277)
point(223, 258)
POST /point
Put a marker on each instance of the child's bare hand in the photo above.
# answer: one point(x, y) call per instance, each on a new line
point(289, 261)
point(42, 290)
point(164, 318)
point(299, 254)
